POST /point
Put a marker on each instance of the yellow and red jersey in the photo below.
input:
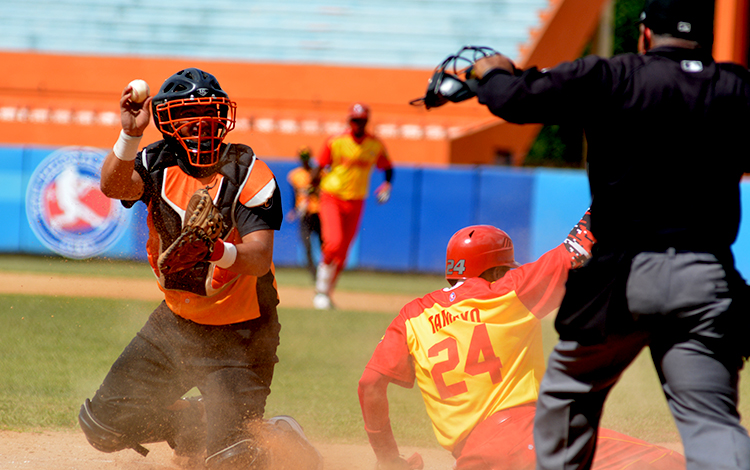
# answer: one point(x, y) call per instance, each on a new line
point(351, 161)
point(248, 196)
point(300, 179)
point(475, 348)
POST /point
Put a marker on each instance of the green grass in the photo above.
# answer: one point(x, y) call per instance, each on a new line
point(65, 266)
point(55, 351)
point(322, 355)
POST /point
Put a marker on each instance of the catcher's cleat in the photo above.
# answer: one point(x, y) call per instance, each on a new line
point(307, 455)
point(322, 302)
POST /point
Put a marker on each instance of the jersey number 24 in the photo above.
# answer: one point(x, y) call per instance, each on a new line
point(455, 267)
point(480, 359)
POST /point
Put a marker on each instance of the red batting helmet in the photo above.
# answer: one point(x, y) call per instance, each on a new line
point(359, 111)
point(475, 249)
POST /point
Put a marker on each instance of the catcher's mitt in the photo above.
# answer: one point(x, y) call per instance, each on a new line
point(201, 228)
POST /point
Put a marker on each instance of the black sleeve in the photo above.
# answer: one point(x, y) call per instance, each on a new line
point(265, 217)
point(389, 175)
point(549, 96)
point(293, 196)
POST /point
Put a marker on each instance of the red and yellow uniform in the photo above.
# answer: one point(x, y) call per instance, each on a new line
point(475, 351)
point(343, 190)
point(476, 348)
point(351, 161)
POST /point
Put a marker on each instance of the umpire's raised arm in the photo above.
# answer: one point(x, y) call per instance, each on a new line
point(565, 93)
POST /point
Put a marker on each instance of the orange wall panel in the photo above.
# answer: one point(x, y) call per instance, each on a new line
point(731, 31)
point(73, 100)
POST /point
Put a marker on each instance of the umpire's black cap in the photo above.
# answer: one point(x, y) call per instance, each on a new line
point(687, 19)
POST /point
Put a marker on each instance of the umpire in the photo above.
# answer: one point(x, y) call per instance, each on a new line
point(666, 152)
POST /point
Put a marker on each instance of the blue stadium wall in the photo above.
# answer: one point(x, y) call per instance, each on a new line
point(536, 207)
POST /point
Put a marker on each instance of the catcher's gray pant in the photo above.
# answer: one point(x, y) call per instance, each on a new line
point(232, 366)
point(681, 301)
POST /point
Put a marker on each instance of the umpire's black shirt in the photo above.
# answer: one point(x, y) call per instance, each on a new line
point(667, 140)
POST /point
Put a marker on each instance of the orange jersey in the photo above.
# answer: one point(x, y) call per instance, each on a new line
point(351, 164)
point(300, 180)
point(475, 348)
point(207, 294)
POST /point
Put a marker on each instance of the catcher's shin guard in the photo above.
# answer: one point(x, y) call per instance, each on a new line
point(244, 454)
point(104, 438)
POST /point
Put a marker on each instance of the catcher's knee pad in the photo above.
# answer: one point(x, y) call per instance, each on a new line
point(244, 454)
point(102, 437)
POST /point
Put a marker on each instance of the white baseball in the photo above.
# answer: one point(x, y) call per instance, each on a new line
point(140, 90)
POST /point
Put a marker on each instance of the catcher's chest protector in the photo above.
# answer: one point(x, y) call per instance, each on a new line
point(168, 192)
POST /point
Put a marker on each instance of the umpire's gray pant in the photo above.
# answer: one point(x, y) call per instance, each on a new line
point(680, 301)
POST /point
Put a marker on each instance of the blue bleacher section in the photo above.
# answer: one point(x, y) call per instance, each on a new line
point(537, 207)
point(383, 33)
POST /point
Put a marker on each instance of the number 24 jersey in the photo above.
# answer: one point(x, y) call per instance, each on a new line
point(475, 348)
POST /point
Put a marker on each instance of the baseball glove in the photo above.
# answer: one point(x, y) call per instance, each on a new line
point(201, 228)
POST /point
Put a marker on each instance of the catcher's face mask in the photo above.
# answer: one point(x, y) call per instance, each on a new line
point(199, 125)
point(452, 81)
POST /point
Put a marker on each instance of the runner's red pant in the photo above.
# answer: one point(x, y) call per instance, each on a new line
point(339, 220)
point(505, 441)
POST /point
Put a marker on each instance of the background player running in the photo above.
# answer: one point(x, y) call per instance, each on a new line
point(350, 158)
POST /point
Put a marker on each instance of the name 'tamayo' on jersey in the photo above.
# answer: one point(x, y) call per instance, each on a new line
point(477, 343)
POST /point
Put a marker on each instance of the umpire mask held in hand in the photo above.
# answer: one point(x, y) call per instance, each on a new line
point(446, 84)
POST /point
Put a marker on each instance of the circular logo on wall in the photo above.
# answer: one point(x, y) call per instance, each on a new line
point(66, 209)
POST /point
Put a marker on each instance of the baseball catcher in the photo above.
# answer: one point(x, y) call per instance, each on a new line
point(213, 208)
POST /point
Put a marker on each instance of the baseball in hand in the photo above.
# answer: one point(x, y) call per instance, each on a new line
point(139, 91)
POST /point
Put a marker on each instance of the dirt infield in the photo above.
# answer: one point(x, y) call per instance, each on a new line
point(50, 450)
point(70, 451)
point(146, 289)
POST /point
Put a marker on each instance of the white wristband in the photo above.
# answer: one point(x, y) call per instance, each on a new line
point(229, 256)
point(126, 147)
